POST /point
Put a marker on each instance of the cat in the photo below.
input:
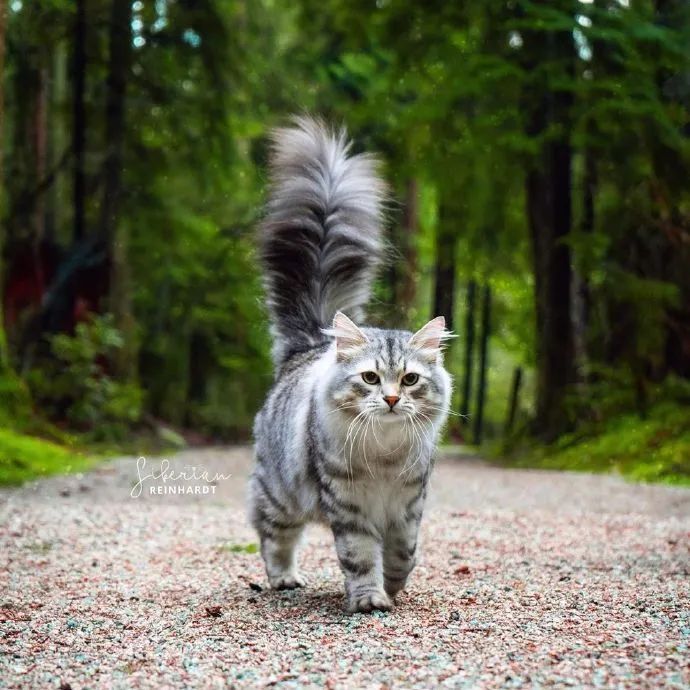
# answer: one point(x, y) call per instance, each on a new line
point(348, 432)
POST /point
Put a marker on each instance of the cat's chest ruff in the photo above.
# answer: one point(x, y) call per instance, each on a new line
point(384, 501)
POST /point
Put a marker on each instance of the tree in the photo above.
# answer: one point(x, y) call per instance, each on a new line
point(446, 268)
point(79, 67)
point(3, 28)
point(468, 361)
point(549, 212)
point(539, 147)
point(112, 231)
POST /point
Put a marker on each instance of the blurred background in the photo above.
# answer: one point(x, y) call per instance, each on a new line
point(539, 153)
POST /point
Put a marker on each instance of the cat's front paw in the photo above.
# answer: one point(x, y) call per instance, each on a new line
point(287, 581)
point(392, 587)
point(366, 603)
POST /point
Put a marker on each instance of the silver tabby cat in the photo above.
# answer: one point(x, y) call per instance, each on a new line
point(348, 432)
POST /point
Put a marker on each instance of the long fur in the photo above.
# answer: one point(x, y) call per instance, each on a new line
point(329, 446)
point(320, 242)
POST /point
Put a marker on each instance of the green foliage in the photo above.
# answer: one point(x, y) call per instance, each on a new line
point(15, 402)
point(653, 449)
point(652, 446)
point(444, 92)
point(76, 383)
point(23, 458)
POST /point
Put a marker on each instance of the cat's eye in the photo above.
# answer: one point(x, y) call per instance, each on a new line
point(370, 377)
point(410, 379)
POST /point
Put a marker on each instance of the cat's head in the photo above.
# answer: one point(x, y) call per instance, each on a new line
point(391, 375)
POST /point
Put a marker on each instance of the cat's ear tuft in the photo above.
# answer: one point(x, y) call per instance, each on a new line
point(346, 333)
point(431, 336)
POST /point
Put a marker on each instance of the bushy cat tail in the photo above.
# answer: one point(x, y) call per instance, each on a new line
point(321, 240)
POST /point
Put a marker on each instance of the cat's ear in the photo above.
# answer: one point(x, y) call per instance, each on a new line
point(347, 335)
point(431, 336)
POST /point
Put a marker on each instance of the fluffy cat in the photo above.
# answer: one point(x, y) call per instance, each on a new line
point(348, 431)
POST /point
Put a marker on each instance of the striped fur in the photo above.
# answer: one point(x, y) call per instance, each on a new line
point(320, 242)
point(329, 446)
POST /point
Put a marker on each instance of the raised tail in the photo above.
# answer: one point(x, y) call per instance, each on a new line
point(320, 242)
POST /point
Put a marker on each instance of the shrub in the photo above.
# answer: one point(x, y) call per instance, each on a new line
point(77, 385)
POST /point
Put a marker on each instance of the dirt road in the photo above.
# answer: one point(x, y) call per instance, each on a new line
point(527, 579)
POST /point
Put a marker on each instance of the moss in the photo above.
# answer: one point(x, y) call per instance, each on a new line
point(653, 449)
point(23, 458)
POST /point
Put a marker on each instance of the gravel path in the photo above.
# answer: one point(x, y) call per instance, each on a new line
point(527, 579)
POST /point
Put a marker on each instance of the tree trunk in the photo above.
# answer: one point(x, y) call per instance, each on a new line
point(57, 144)
point(79, 119)
point(113, 233)
point(549, 220)
point(118, 72)
point(444, 292)
point(580, 293)
point(549, 216)
point(3, 28)
point(513, 403)
point(3, 341)
point(469, 351)
point(674, 217)
point(483, 365)
point(39, 136)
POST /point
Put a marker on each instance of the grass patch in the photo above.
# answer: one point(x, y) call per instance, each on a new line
point(239, 548)
point(654, 449)
point(23, 458)
point(40, 547)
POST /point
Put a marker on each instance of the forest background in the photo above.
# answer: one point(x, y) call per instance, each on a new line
point(538, 152)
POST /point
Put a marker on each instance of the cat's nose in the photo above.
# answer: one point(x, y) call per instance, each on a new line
point(391, 400)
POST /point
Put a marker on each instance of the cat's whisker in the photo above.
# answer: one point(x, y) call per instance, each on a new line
point(421, 445)
point(431, 424)
point(351, 429)
point(401, 444)
point(446, 410)
point(348, 455)
point(346, 406)
point(373, 430)
point(422, 433)
point(358, 435)
point(415, 438)
point(364, 447)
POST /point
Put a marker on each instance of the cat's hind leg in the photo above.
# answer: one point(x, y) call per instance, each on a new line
point(278, 548)
point(279, 533)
